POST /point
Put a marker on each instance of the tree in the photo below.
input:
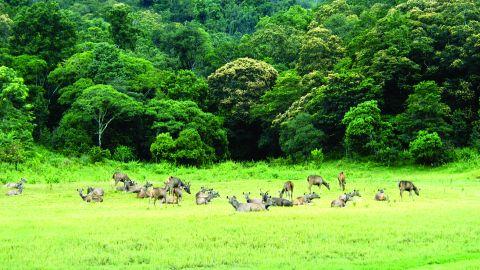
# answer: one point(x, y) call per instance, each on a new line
point(103, 104)
point(428, 148)
point(320, 51)
point(298, 137)
point(121, 26)
point(235, 88)
point(43, 29)
point(425, 111)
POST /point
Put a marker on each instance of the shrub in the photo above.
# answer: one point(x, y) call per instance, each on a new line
point(162, 148)
point(11, 150)
point(317, 155)
point(428, 149)
point(97, 154)
point(123, 153)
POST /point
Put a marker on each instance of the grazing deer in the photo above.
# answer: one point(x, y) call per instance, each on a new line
point(407, 186)
point(120, 177)
point(158, 194)
point(15, 192)
point(16, 185)
point(341, 180)
point(204, 196)
point(250, 200)
point(246, 207)
point(381, 196)
point(88, 197)
point(305, 199)
point(95, 191)
point(316, 180)
point(288, 189)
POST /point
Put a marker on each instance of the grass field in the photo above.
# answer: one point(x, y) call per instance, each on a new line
point(50, 227)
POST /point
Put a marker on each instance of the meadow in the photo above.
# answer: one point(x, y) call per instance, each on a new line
point(50, 227)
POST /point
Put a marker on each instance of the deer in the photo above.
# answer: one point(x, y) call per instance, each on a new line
point(341, 201)
point(174, 182)
point(16, 192)
point(246, 207)
point(408, 186)
point(316, 180)
point(250, 200)
point(204, 196)
point(158, 194)
point(89, 197)
point(350, 196)
point(276, 201)
point(305, 199)
point(95, 191)
point(381, 196)
point(16, 185)
point(287, 189)
point(144, 192)
point(120, 177)
point(341, 180)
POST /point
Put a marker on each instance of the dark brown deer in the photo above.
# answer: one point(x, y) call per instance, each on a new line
point(276, 201)
point(341, 181)
point(316, 180)
point(381, 196)
point(120, 177)
point(287, 189)
point(407, 186)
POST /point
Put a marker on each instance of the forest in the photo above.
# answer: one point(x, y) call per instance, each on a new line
point(193, 82)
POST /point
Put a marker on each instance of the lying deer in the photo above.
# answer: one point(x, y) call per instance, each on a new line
point(16, 185)
point(204, 196)
point(89, 197)
point(246, 207)
point(305, 199)
point(95, 191)
point(250, 200)
point(381, 196)
point(15, 192)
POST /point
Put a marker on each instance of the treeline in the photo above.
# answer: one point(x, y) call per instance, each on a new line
point(194, 82)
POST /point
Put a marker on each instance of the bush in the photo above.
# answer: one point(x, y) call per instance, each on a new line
point(466, 154)
point(97, 154)
point(428, 149)
point(11, 150)
point(317, 155)
point(163, 147)
point(123, 153)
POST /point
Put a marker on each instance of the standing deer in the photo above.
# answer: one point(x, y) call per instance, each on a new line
point(174, 182)
point(316, 180)
point(341, 180)
point(288, 189)
point(158, 194)
point(120, 177)
point(407, 186)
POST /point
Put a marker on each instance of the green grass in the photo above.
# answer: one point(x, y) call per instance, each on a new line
point(49, 227)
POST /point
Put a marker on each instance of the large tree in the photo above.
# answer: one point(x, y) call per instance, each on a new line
point(43, 29)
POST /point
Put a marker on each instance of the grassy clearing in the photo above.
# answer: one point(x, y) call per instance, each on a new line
point(50, 227)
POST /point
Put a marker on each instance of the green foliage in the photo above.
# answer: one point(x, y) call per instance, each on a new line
point(191, 150)
point(428, 148)
point(97, 154)
point(317, 155)
point(12, 150)
point(121, 26)
point(123, 154)
point(298, 137)
point(163, 147)
point(43, 29)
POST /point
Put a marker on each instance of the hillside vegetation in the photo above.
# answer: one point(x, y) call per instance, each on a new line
point(195, 82)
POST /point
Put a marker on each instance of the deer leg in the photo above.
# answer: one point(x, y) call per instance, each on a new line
point(401, 194)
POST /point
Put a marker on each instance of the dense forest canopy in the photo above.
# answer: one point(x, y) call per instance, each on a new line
point(199, 81)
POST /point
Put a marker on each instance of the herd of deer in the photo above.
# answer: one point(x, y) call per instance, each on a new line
point(173, 189)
